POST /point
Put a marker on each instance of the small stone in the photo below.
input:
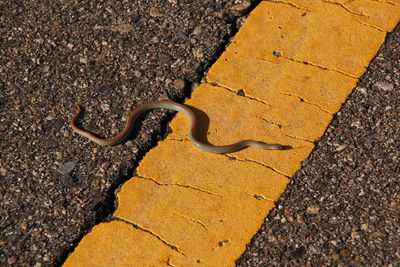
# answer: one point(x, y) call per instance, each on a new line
point(66, 167)
point(105, 107)
point(70, 46)
point(277, 53)
point(24, 226)
point(339, 147)
point(300, 218)
point(83, 60)
point(3, 171)
point(123, 28)
point(98, 27)
point(385, 86)
point(240, 92)
point(179, 84)
point(344, 253)
point(155, 40)
point(197, 30)
point(137, 74)
point(287, 211)
point(313, 209)
point(46, 257)
point(155, 13)
point(259, 197)
point(356, 124)
point(362, 90)
point(105, 165)
point(242, 6)
point(364, 226)
point(394, 205)
point(12, 260)
point(355, 235)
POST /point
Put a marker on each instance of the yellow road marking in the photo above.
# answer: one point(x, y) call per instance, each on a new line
point(287, 71)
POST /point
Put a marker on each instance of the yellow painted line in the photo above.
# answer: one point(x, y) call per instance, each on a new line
point(287, 71)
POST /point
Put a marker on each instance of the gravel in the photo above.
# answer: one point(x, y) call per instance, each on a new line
point(342, 208)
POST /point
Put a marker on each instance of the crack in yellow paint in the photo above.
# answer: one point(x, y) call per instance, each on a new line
point(345, 7)
point(279, 125)
point(178, 185)
point(236, 93)
point(193, 220)
point(305, 62)
point(299, 138)
point(259, 197)
point(302, 99)
point(290, 4)
point(372, 26)
point(386, 2)
point(168, 262)
point(231, 157)
point(139, 227)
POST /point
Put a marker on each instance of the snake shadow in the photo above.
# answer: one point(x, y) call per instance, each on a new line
point(203, 124)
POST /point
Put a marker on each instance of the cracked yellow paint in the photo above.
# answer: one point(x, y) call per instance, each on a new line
point(205, 228)
point(287, 71)
point(119, 244)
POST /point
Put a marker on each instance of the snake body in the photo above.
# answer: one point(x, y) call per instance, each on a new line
point(135, 114)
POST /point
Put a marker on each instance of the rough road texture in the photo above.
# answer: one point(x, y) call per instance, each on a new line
point(343, 207)
point(110, 56)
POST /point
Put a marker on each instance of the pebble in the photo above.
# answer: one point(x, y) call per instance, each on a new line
point(105, 107)
point(123, 28)
point(394, 205)
point(242, 6)
point(356, 124)
point(197, 30)
point(3, 171)
point(345, 253)
point(105, 165)
point(355, 235)
point(179, 84)
point(12, 260)
point(300, 218)
point(24, 226)
point(83, 60)
point(66, 167)
point(154, 12)
point(313, 209)
point(385, 86)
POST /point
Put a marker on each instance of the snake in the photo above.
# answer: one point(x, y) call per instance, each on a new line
point(139, 111)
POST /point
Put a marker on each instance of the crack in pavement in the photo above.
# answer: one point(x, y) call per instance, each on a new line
point(345, 8)
point(318, 66)
point(137, 226)
point(289, 4)
point(178, 185)
point(299, 138)
point(239, 93)
point(280, 126)
point(259, 197)
point(308, 102)
point(193, 220)
point(372, 26)
point(386, 2)
point(255, 162)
